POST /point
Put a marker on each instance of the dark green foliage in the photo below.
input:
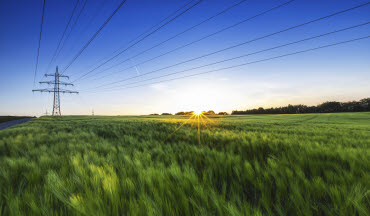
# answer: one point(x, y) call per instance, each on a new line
point(210, 112)
point(328, 107)
point(10, 118)
point(308, 164)
point(185, 113)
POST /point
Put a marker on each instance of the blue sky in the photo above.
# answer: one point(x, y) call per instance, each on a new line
point(337, 73)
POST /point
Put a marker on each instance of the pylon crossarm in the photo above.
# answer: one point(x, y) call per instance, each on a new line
point(67, 91)
point(53, 83)
point(64, 76)
point(58, 75)
point(43, 90)
point(52, 90)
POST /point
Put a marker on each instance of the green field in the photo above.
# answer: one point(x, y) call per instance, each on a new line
point(305, 164)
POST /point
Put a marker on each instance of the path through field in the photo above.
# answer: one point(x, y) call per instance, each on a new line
point(13, 123)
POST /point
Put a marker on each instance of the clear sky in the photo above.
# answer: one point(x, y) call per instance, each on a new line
point(339, 73)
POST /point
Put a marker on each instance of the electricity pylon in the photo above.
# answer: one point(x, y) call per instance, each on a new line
point(56, 90)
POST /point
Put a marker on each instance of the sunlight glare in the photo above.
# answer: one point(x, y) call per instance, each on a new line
point(197, 112)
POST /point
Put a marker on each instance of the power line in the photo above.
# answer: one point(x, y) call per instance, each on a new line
point(94, 36)
point(61, 39)
point(38, 49)
point(245, 55)
point(178, 34)
point(95, 14)
point(137, 37)
point(73, 25)
point(167, 17)
point(202, 38)
point(237, 45)
point(253, 62)
point(146, 36)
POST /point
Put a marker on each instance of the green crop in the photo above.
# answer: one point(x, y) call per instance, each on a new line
point(305, 164)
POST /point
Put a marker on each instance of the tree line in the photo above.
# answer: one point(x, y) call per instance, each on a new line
point(362, 105)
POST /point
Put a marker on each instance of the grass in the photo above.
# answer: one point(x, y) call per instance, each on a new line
point(307, 164)
point(10, 118)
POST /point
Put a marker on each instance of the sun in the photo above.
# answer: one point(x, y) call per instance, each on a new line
point(197, 118)
point(197, 112)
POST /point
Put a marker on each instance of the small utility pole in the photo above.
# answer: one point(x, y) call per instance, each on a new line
point(93, 112)
point(46, 112)
point(56, 90)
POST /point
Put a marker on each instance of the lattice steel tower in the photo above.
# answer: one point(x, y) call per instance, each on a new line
point(56, 90)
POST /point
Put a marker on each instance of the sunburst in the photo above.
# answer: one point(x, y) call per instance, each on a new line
point(198, 119)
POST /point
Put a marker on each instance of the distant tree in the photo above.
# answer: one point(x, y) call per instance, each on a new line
point(330, 106)
point(365, 103)
point(154, 114)
point(210, 112)
point(352, 106)
point(166, 113)
point(261, 110)
point(180, 113)
point(189, 113)
point(222, 113)
point(327, 107)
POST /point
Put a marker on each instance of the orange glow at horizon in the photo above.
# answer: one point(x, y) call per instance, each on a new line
point(198, 119)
